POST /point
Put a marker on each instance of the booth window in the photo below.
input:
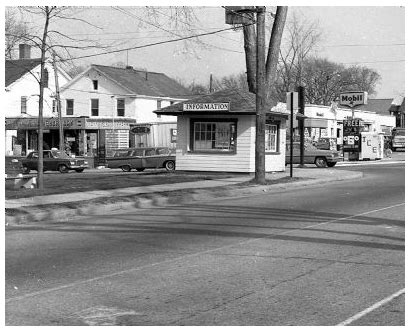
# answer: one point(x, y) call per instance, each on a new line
point(271, 138)
point(23, 104)
point(213, 136)
point(70, 107)
point(121, 107)
point(94, 107)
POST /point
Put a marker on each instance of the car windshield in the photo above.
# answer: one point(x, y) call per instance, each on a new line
point(59, 154)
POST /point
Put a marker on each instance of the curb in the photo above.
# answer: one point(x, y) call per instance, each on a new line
point(57, 213)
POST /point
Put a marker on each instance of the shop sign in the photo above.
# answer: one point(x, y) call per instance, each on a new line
point(48, 123)
point(106, 124)
point(353, 98)
point(173, 135)
point(206, 106)
point(351, 134)
point(140, 129)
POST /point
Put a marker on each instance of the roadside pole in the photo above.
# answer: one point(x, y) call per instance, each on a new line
point(291, 105)
point(291, 135)
point(301, 122)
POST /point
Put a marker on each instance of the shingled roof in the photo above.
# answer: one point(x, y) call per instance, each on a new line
point(145, 83)
point(380, 106)
point(241, 102)
point(15, 69)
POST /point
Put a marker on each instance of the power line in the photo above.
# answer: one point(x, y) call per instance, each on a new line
point(169, 31)
point(151, 44)
point(363, 45)
point(370, 62)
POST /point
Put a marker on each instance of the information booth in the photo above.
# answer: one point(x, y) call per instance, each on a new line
point(216, 132)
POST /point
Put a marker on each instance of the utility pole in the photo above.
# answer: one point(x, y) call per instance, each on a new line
point(57, 95)
point(260, 97)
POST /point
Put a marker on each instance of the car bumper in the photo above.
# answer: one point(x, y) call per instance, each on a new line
point(75, 167)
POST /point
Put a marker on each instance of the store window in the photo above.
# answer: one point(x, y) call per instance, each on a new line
point(94, 107)
point(271, 138)
point(70, 107)
point(213, 136)
point(121, 107)
point(23, 104)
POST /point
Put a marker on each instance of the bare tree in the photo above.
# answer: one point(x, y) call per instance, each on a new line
point(299, 42)
point(325, 80)
point(16, 31)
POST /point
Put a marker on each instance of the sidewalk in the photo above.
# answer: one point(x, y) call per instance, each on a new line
point(62, 207)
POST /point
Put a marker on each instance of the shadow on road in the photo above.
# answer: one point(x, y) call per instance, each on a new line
point(233, 221)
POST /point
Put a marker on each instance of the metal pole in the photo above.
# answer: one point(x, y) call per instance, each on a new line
point(301, 122)
point(291, 135)
point(260, 98)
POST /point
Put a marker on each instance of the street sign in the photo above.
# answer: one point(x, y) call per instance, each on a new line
point(353, 98)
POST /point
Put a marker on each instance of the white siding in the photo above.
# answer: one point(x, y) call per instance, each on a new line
point(81, 91)
point(28, 86)
point(242, 161)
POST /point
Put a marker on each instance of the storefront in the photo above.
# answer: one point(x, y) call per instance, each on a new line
point(217, 133)
point(93, 138)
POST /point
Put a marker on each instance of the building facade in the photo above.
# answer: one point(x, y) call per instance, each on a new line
point(22, 77)
point(118, 105)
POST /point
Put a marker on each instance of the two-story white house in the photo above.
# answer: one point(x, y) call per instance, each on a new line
point(116, 106)
point(21, 107)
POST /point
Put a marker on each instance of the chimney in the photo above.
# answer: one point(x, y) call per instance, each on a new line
point(25, 51)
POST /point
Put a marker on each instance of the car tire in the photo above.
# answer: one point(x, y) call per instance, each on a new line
point(170, 165)
point(25, 169)
point(321, 162)
point(63, 168)
point(79, 170)
point(126, 168)
point(140, 169)
point(331, 164)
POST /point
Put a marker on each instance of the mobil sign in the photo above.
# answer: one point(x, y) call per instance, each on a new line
point(353, 98)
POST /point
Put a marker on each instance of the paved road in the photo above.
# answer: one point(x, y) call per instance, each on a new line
point(314, 256)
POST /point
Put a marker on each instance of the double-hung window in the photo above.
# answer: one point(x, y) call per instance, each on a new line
point(213, 136)
point(121, 107)
point(271, 138)
point(70, 107)
point(94, 107)
point(23, 104)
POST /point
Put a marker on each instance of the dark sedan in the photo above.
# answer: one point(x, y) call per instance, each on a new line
point(53, 160)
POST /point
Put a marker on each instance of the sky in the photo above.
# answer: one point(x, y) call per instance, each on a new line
point(371, 36)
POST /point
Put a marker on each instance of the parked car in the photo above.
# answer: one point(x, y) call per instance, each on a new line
point(320, 157)
point(398, 139)
point(53, 160)
point(142, 158)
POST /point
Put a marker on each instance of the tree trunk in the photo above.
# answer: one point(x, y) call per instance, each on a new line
point(273, 53)
point(250, 56)
point(40, 168)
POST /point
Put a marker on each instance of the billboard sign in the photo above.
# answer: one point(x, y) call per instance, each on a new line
point(353, 98)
